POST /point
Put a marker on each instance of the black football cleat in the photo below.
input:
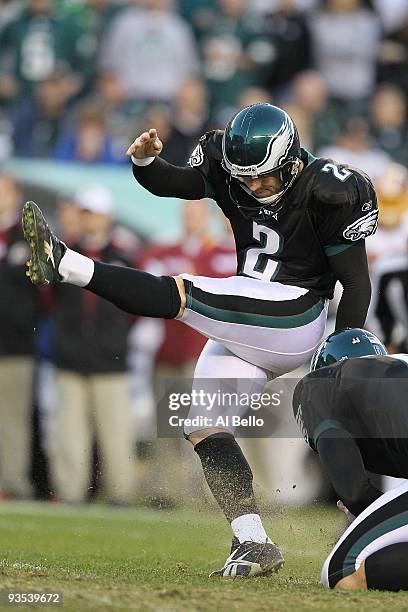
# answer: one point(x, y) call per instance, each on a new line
point(251, 559)
point(46, 249)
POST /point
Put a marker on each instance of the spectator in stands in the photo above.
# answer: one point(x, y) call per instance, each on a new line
point(253, 95)
point(392, 307)
point(87, 141)
point(69, 220)
point(317, 121)
point(6, 140)
point(178, 145)
point(201, 14)
point(388, 314)
point(265, 7)
point(345, 39)
point(8, 12)
point(235, 53)
point(393, 60)
point(37, 119)
point(36, 44)
point(18, 316)
point(247, 96)
point(289, 31)
point(389, 122)
point(392, 13)
point(387, 251)
point(92, 17)
point(354, 146)
point(182, 123)
point(191, 116)
point(391, 237)
point(93, 395)
point(153, 37)
point(121, 114)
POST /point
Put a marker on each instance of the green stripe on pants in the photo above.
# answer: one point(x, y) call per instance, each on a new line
point(376, 532)
point(256, 320)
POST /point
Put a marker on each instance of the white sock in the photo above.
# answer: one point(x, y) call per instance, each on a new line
point(76, 269)
point(249, 528)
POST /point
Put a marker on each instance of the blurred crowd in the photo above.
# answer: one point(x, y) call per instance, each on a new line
point(79, 79)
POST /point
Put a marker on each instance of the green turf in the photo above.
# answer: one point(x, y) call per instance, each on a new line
point(135, 559)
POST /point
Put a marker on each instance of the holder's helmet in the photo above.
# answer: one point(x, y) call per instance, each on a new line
point(346, 344)
point(259, 140)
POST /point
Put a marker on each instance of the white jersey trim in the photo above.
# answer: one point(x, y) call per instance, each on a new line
point(247, 286)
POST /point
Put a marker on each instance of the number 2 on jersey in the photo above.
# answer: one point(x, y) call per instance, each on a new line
point(258, 261)
point(341, 174)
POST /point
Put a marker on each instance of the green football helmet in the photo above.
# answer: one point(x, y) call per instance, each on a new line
point(259, 140)
point(346, 344)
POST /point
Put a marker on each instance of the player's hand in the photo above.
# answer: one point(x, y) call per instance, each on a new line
point(342, 507)
point(147, 144)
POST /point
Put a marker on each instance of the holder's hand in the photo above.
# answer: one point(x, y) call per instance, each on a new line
point(342, 507)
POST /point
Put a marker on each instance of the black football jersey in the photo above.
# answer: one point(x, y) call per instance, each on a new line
point(330, 207)
point(366, 397)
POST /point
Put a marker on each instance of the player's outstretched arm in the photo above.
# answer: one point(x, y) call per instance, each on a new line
point(158, 176)
point(344, 465)
point(351, 269)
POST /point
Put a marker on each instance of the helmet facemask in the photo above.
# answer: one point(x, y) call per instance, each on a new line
point(263, 207)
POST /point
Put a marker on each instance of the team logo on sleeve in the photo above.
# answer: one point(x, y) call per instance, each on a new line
point(363, 227)
point(197, 157)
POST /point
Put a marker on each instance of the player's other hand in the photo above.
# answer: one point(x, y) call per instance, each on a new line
point(147, 144)
point(342, 507)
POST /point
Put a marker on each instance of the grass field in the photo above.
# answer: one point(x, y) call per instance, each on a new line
point(136, 559)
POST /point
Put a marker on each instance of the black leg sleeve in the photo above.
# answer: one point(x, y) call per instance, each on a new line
point(135, 291)
point(386, 569)
point(228, 475)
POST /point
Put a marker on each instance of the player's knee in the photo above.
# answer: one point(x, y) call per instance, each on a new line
point(182, 292)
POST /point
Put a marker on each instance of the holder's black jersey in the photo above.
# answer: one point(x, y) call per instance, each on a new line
point(365, 399)
point(330, 207)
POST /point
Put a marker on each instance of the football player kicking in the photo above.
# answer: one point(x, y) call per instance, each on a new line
point(299, 224)
point(352, 410)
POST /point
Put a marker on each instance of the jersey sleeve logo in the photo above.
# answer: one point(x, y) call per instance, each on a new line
point(197, 157)
point(363, 227)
